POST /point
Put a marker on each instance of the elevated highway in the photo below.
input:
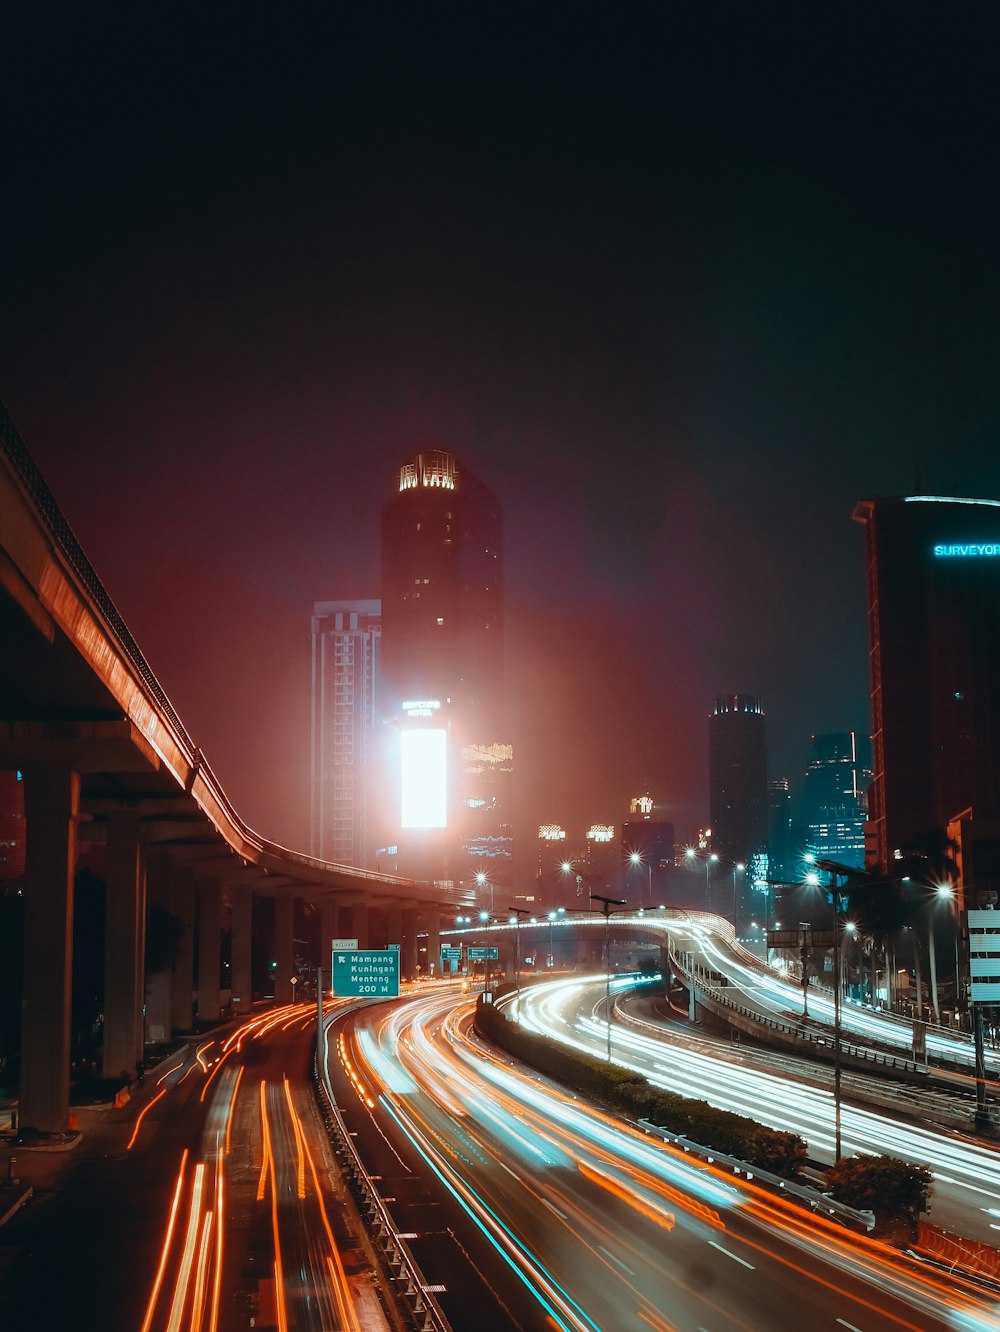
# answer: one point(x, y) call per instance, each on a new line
point(105, 757)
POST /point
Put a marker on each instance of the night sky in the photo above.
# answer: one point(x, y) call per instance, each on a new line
point(680, 283)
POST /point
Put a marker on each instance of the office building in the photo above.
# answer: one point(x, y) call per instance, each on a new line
point(738, 797)
point(346, 665)
point(647, 852)
point(933, 575)
point(835, 799)
point(779, 828)
point(449, 761)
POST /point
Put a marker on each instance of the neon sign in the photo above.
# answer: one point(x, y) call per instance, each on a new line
point(973, 549)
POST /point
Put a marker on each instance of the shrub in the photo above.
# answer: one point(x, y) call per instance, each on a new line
point(896, 1191)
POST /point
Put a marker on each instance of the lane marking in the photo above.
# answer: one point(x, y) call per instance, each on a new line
point(850, 1326)
point(617, 1261)
point(735, 1259)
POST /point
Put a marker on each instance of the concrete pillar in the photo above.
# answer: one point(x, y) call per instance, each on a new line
point(209, 947)
point(284, 947)
point(433, 917)
point(394, 925)
point(51, 807)
point(408, 951)
point(182, 983)
point(241, 974)
point(158, 984)
point(359, 924)
point(124, 947)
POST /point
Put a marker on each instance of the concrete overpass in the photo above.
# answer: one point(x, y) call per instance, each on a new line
point(105, 757)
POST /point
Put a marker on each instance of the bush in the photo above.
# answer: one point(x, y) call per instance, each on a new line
point(733, 1135)
point(896, 1191)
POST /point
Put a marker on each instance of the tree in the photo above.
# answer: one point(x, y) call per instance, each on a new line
point(896, 1191)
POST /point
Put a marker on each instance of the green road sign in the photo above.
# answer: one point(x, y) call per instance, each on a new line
point(366, 973)
point(451, 954)
point(484, 954)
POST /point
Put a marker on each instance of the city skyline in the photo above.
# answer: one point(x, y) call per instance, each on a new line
point(682, 342)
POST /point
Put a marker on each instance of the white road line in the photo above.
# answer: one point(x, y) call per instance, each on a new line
point(732, 1255)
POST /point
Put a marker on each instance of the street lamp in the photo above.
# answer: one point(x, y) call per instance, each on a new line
point(482, 879)
point(608, 903)
point(515, 920)
point(709, 862)
point(635, 858)
point(740, 867)
point(484, 917)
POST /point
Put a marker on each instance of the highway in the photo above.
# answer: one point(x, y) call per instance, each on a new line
point(210, 1204)
point(966, 1171)
point(589, 1224)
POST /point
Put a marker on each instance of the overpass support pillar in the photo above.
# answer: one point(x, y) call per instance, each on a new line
point(209, 947)
point(182, 980)
point(241, 972)
point(434, 941)
point(394, 928)
point(124, 948)
point(359, 924)
point(284, 947)
point(51, 807)
point(158, 983)
point(408, 949)
point(329, 929)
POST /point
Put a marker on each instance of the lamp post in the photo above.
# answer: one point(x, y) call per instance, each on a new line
point(636, 858)
point(515, 920)
point(608, 903)
point(739, 867)
point(710, 860)
point(486, 919)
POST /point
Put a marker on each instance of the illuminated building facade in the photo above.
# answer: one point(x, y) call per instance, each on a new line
point(346, 666)
point(835, 800)
point(933, 575)
point(442, 682)
point(738, 794)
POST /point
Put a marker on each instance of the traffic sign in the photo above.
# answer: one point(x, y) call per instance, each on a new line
point(484, 954)
point(369, 973)
point(449, 953)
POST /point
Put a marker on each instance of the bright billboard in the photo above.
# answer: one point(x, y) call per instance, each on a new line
point(423, 778)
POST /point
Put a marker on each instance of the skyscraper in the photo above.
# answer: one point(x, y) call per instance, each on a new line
point(346, 663)
point(738, 797)
point(933, 573)
point(442, 621)
point(835, 798)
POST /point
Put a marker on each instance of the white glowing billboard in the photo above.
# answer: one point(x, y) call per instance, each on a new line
point(423, 772)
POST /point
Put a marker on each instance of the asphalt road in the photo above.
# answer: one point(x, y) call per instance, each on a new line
point(532, 1210)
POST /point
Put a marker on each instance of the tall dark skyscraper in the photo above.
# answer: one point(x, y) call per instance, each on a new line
point(835, 797)
point(933, 566)
point(442, 694)
point(738, 796)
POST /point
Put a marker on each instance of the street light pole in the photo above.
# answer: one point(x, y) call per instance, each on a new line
point(608, 903)
point(518, 913)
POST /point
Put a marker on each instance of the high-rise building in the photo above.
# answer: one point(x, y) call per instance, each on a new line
point(738, 795)
point(835, 798)
point(647, 852)
point(346, 662)
point(450, 762)
point(779, 827)
point(933, 573)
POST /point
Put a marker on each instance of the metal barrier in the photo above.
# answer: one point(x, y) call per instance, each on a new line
point(413, 1297)
point(812, 1198)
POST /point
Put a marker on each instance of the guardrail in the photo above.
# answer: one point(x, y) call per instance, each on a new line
point(863, 1053)
point(816, 1201)
point(413, 1297)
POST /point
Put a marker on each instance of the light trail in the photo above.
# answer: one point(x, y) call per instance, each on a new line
point(497, 1109)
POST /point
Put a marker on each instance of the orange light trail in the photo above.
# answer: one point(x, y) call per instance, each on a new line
point(167, 1240)
point(142, 1114)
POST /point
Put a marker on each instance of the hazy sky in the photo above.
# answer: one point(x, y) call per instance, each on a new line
point(681, 283)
